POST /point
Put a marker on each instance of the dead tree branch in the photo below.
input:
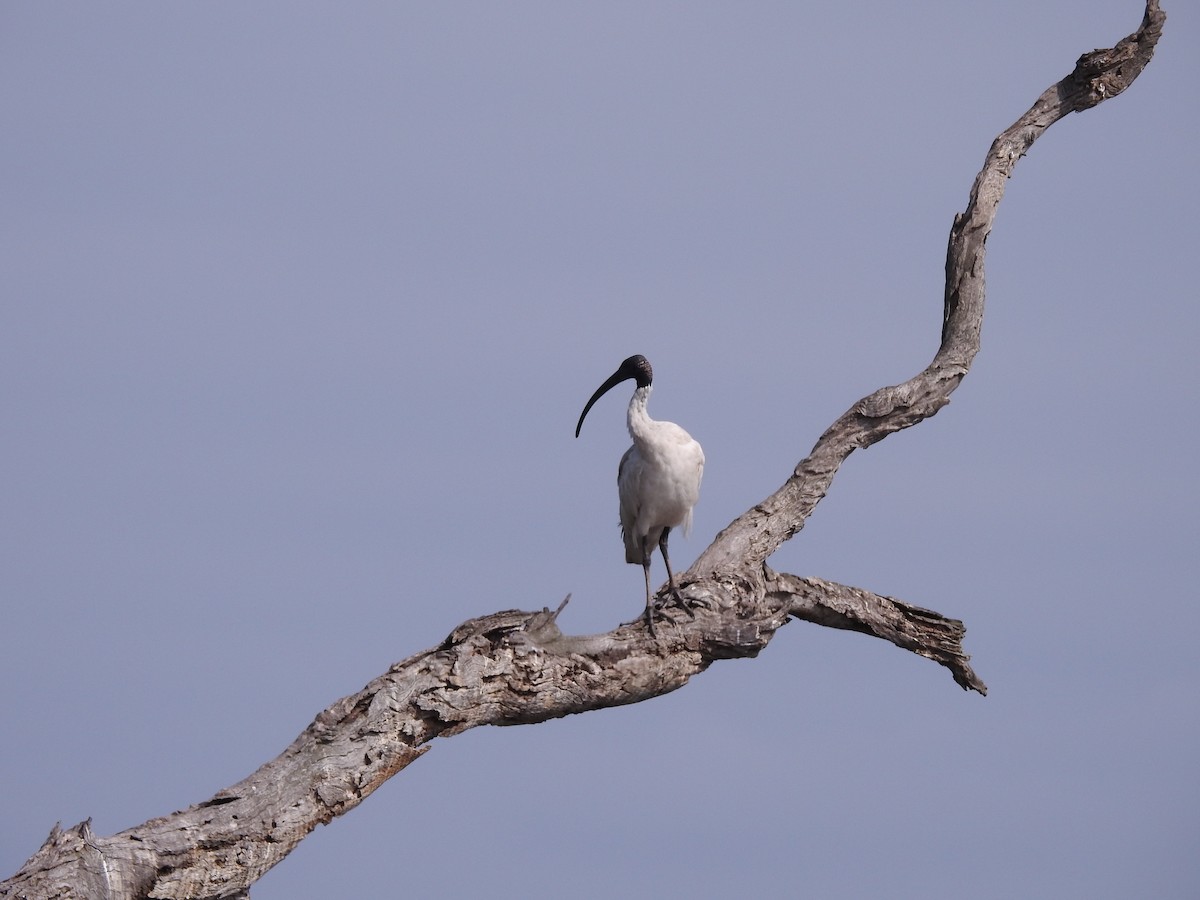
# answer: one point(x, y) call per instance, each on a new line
point(515, 668)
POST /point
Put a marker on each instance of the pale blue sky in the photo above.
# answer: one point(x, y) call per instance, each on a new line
point(301, 303)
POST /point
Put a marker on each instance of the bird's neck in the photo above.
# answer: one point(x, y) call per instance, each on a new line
point(637, 419)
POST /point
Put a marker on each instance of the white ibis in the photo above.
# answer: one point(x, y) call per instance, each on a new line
point(658, 480)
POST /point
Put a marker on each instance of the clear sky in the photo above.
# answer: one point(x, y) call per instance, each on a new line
point(299, 304)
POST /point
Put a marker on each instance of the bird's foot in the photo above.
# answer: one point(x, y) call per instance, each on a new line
point(662, 604)
point(650, 621)
point(688, 604)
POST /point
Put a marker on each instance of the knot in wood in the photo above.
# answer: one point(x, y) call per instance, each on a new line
point(885, 401)
point(738, 640)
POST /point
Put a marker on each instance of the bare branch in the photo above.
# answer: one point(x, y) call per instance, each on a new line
point(923, 631)
point(751, 538)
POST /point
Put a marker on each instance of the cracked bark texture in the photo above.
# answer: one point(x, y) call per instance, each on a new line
point(517, 668)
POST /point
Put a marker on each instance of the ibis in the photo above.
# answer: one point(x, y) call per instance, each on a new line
point(658, 480)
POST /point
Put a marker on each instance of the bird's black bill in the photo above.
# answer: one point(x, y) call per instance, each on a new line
point(613, 380)
point(636, 367)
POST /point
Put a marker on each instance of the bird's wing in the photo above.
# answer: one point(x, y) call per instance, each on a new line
point(629, 477)
point(687, 523)
point(687, 467)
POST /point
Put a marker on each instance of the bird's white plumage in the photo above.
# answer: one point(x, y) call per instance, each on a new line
point(658, 480)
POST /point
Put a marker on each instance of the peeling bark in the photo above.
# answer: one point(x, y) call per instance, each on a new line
point(517, 668)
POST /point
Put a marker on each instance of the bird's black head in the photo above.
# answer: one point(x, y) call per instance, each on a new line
point(636, 367)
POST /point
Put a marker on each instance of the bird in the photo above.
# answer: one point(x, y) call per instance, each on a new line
point(658, 480)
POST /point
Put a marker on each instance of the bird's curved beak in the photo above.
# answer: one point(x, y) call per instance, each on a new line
point(622, 374)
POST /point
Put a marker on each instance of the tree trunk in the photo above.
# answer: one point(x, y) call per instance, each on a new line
point(517, 668)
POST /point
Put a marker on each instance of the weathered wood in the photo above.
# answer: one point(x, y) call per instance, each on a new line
point(515, 668)
point(757, 533)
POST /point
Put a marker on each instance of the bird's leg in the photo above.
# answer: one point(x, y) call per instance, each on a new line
point(649, 603)
point(662, 546)
point(674, 588)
